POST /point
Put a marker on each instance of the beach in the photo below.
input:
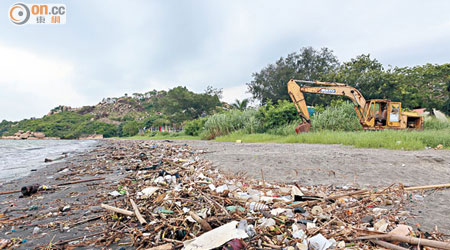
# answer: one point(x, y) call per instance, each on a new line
point(73, 212)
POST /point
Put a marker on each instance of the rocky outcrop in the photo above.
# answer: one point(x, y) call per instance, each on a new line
point(28, 135)
point(91, 137)
point(60, 109)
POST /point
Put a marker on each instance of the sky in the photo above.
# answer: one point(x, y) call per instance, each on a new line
point(109, 48)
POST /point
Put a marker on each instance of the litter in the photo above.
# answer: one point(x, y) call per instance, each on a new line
point(216, 237)
point(164, 196)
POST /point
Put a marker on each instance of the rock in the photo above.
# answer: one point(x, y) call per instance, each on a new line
point(39, 135)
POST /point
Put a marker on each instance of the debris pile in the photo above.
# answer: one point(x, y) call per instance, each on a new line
point(173, 198)
point(170, 198)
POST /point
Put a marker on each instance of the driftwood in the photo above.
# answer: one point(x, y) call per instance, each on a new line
point(419, 241)
point(406, 239)
point(10, 192)
point(205, 225)
point(80, 181)
point(117, 210)
point(137, 213)
point(427, 187)
point(61, 184)
point(388, 245)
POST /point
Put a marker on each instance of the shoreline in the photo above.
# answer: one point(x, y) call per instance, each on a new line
point(73, 211)
point(22, 158)
point(44, 208)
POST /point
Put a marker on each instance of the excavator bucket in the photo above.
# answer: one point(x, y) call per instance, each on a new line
point(303, 128)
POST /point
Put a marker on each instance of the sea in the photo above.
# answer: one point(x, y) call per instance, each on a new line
point(19, 157)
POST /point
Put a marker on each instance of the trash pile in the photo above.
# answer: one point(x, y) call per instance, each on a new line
point(164, 196)
point(173, 199)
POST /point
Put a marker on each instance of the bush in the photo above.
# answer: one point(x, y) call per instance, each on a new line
point(194, 127)
point(129, 128)
point(434, 123)
point(274, 116)
point(339, 117)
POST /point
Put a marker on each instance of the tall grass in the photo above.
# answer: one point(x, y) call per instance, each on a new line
point(341, 117)
point(434, 123)
point(225, 123)
point(390, 139)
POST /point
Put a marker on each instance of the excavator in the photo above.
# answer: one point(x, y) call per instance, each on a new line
point(376, 114)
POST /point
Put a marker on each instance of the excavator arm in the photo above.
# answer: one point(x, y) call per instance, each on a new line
point(326, 88)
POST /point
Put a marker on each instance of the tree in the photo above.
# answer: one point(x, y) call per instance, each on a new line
point(180, 104)
point(307, 64)
point(210, 90)
point(365, 74)
point(241, 105)
point(129, 128)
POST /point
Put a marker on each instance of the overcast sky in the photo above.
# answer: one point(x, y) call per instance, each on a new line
point(108, 48)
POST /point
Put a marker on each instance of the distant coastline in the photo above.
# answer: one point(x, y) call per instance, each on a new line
point(29, 135)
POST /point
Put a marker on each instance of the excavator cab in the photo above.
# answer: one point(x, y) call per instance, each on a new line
point(382, 113)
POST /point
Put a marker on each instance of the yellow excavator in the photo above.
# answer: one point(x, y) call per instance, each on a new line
point(376, 114)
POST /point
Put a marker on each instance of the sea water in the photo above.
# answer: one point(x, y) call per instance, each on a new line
point(19, 157)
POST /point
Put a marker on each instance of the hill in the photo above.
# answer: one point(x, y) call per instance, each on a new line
point(122, 116)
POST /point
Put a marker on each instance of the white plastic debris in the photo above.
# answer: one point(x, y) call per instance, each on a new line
point(296, 191)
point(212, 187)
point(148, 191)
point(221, 189)
point(318, 242)
point(310, 225)
point(267, 222)
point(381, 225)
point(249, 229)
point(255, 206)
point(160, 179)
point(297, 233)
point(216, 237)
point(114, 193)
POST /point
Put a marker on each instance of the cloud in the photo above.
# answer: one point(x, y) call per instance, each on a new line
point(110, 48)
point(30, 82)
point(237, 92)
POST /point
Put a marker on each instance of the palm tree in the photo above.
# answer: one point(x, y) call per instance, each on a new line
point(241, 105)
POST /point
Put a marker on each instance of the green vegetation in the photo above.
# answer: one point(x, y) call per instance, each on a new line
point(129, 128)
point(227, 122)
point(424, 86)
point(194, 127)
point(340, 116)
point(436, 124)
point(335, 124)
point(163, 136)
point(390, 139)
point(123, 116)
point(66, 125)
